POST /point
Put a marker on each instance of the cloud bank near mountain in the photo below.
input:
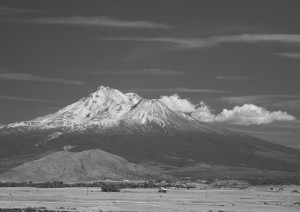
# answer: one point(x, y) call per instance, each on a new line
point(174, 102)
point(246, 114)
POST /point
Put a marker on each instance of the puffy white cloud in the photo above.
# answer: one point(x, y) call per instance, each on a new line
point(203, 113)
point(174, 102)
point(240, 115)
point(251, 114)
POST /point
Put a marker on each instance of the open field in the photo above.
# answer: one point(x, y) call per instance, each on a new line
point(76, 199)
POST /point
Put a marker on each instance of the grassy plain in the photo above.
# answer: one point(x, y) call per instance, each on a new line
point(265, 198)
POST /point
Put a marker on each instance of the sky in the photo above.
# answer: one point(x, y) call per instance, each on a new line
point(233, 63)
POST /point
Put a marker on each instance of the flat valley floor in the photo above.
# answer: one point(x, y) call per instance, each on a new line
point(77, 199)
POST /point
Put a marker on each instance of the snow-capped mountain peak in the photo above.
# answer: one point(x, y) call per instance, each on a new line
point(106, 108)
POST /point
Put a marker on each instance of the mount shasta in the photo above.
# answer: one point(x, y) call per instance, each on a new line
point(140, 131)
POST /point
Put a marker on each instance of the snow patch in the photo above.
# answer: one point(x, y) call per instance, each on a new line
point(53, 136)
point(68, 147)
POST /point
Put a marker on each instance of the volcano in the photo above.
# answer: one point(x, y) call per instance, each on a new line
point(142, 131)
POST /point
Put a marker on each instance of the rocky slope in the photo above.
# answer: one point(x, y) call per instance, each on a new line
point(70, 167)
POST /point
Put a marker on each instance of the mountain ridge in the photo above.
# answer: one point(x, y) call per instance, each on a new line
point(71, 167)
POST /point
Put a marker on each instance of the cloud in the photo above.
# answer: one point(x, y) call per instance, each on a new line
point(246, 114)
point(96, 21)
point(186, 43)
point(203, 113)
point(193, 90)
point(174, 102)
point(148, 71)
point(293, 55)
point(22, 99)
point(290, 104)
point(29, 77)
point(11, 10)
point(234, 77)
point(179, 90)
point(159, 90)
point(257, 99)
point(154, 71)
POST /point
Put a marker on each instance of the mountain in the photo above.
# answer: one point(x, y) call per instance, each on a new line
point(106, 108)
point(70, 167)
point(102, 108)
point(145, 132)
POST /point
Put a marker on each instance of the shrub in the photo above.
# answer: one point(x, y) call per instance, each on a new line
point(110, 188)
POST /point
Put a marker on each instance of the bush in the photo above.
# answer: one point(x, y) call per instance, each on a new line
point(110, 188)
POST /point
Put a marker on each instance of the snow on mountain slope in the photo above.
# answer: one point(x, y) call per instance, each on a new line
point(106, 108)
point(153, 113)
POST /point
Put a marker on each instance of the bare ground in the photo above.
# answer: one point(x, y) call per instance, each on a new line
point(77, 199)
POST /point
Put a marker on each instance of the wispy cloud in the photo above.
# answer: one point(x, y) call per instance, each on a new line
point(11, 10)
point(22, 99)
point(155, 71)
point(256, 99)
point(148, 71)
point(293, 55)
point(183, 43)
point(235, 77)
point(290, 104)
point(178, 90)
point(193, 90)
point(137, 90)
point(30, 77)
point(96, 21)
